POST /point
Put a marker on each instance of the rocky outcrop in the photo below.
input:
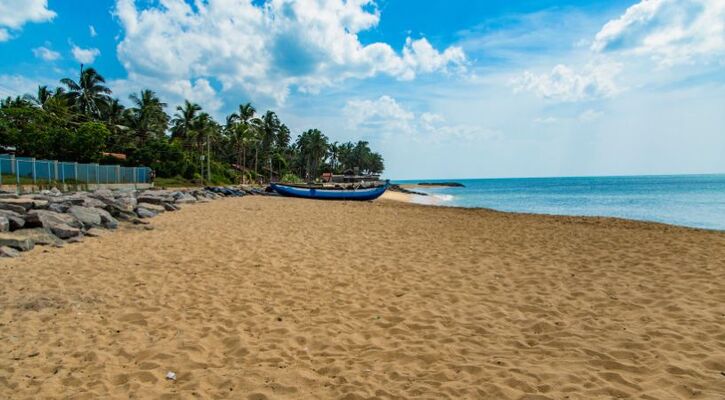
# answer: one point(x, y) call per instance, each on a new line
point(52, 218)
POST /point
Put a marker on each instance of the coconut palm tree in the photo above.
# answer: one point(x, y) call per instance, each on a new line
point(183, 121)
point(148, 118)
point(245, 125)
point(89, 96)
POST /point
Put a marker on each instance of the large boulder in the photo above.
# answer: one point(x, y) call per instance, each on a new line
point(64, 226)
point(39, 236)
point(92, 217)
point(20, 209)
point(184, 198)
point(18, 242)
point(157, 208)
point(47, 218)
point(144, 213)
point(16, 219)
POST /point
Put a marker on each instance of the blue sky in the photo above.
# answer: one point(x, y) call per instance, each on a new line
point(444, 89)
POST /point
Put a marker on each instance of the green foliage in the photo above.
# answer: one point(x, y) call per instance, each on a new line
point(81, 121)
point(290, 178)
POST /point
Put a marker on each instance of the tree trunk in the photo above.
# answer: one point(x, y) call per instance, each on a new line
point(244, 164)
point(256, 162)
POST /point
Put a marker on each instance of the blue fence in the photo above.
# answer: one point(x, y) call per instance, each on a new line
point(14, 169)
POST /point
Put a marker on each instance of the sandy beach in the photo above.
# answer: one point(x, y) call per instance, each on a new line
point(275, 298)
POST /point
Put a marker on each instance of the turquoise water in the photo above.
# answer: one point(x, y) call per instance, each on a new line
point(688, 200)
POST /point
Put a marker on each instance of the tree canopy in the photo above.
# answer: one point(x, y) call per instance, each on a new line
point(81, 121)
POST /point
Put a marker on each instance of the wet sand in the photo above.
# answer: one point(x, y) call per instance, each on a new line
point(274, 298)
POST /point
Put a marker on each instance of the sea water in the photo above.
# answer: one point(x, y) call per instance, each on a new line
point(688, 200)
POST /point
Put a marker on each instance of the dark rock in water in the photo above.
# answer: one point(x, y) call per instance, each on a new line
point(16, 220)
point(144, 213)
point(39, 236)
point(18, 242)
point(449, 184)
point(398, 188)
point(6, 251)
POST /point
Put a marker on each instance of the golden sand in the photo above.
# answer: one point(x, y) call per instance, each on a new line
point(274, 298)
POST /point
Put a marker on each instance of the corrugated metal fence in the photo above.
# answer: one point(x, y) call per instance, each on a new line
point(26, 170)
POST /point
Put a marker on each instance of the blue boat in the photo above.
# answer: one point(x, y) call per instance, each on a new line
point(329, 193)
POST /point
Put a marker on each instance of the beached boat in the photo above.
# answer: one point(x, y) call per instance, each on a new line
point(357, 192)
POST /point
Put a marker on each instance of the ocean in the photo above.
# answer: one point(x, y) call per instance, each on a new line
point(688, 200)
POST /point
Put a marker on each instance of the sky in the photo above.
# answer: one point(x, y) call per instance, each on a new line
point(442, 88)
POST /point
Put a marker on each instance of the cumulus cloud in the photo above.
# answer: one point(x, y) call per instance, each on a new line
point(172, 92)
point(386, 116)
point(565, 84)
point(92, 31)
point(13, 15)
point(85, 56)
point(270, 48)
point(670, 31)
point(45, 53)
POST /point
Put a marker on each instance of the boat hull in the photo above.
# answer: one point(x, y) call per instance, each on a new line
point(330, 194)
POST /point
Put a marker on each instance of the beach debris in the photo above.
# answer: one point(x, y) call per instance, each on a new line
point(171, 375)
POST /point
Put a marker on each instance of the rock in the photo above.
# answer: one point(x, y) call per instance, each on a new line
point(6, 251)
point(95, 232)
point(153, 207)
point(74, 199)
point(127, 204)
point(12, 207)
point(39, 236)
point(150, 199)
point(64, 231)
point(88, 216)
point(184, 198)
point(58, 207)
point(91, 202)
point(137, 221)
point(18, 242)
point(93, 217)
point(144, 213)
point(170, 207)
point(24, 202)
point(16, 220)
point(47, 219)
point(121, 214)
point(4, 224)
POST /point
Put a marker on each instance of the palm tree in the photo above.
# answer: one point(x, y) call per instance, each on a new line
point(148, 117)
point(312, 146)
point(183, 121)
point(88, 96)
point(334, 150)
point(244, 125)
point(43, 95)
point(269, 131)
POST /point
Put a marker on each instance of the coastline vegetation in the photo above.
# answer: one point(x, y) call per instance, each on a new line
point(81, 121)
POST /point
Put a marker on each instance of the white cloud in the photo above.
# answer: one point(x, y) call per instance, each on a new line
point(565, 84)
point(388, 117)
point(670, 31)
point(18, 85)
point(92, 31)
point(590, 115)
point(269, 49)
point(85, 56)
point(46, 53)
point(14, 16)
point(173, 92)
